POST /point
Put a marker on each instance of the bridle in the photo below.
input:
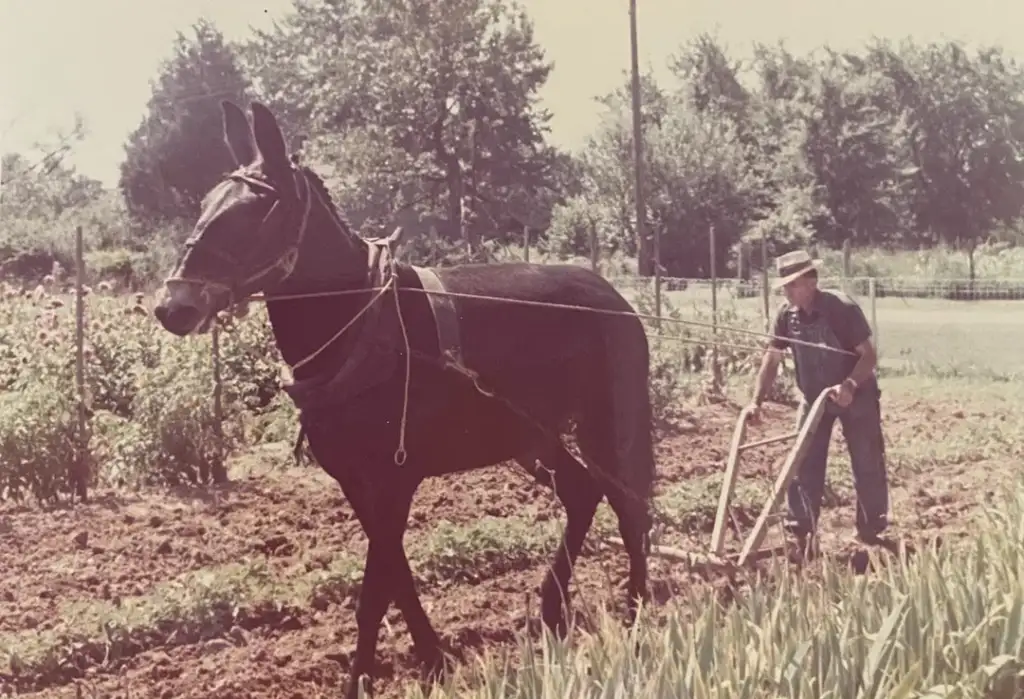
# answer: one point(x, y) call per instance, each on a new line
point(240, 287)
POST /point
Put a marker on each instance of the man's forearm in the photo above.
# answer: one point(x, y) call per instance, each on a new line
point(765, 377)
point(862, 370)
point(865, 365)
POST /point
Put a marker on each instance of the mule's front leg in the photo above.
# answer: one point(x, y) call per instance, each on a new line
point(390, 525)
point(374, 597)
point(426, 642)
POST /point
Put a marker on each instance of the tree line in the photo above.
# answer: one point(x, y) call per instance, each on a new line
point(426, 115)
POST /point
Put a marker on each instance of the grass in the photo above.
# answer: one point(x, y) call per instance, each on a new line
point(961, 337)
point(948, 624)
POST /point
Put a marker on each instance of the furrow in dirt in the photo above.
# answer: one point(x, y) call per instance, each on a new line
point(119, 546)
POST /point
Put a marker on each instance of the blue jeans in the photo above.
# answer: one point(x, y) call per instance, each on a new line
point(862, 428)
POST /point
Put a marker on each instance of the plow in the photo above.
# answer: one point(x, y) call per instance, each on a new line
point(717, 558)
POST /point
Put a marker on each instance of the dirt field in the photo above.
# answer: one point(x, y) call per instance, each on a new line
point(247, 590)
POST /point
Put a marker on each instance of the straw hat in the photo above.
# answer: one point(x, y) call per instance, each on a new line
point(793, 265)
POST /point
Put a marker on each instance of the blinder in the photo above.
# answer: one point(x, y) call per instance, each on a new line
point(241, 286)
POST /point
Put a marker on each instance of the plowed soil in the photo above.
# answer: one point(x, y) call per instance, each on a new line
point(119, 547)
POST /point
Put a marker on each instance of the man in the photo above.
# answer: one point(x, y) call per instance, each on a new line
point(847, 371)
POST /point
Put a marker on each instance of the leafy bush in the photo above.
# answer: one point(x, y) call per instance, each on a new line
point(174, 436)
point(249, 361)
point(38, 436)
point(149, 399)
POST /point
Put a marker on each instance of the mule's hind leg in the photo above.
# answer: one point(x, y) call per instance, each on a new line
point(631, 508)
point(580, 494)
point(634, 527)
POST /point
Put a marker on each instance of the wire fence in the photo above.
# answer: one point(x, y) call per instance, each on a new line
point(955, 326)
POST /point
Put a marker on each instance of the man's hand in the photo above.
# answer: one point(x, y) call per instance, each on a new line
point(765, 377)
point(841, 395)
point(753, 413)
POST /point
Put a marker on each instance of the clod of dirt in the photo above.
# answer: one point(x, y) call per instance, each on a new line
point(290, 623)
point(81, 539)
point(215, 645)
point(164, 548)
point(155, 521)
point(239, 635)
point(277, 545)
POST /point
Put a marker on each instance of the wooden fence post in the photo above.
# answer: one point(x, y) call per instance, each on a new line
point(595, 252)
point(872, 297)
point(716, 376)
point(765, 293)
point(80, 476)
point(846, 265)
point(219, 470)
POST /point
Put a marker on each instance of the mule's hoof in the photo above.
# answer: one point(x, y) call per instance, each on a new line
point(554, 617)
point(434, 664)
point(352, 691)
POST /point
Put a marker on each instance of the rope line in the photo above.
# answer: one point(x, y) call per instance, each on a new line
point(572, 307)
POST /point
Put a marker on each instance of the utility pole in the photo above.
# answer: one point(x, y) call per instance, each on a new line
point(638, 165)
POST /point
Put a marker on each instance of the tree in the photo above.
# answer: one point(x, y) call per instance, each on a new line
point(710, 80)
point(964, 133)
point(42, 185)
point(851, 149)
point(696, 175)
point(42, 199)
point(787, 201)
point(608, 162)
point(298, 68)
point(452, 85)
point(177, 152)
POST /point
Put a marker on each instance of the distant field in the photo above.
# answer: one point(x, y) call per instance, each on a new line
point(968, 337)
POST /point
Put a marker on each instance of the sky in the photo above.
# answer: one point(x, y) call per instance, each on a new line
point(97, 57)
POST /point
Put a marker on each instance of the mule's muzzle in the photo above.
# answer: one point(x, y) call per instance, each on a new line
point(184, 309)
point(177, 318)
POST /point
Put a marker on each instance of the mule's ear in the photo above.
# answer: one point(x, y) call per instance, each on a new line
point(237, 133)
point(270, 142)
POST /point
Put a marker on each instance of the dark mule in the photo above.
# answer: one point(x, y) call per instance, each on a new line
point(483, 381)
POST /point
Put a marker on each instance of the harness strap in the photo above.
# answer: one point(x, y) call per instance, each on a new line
point(446, 317)
point(365, 362)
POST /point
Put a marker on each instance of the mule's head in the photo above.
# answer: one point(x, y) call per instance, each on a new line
point(250, 230)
